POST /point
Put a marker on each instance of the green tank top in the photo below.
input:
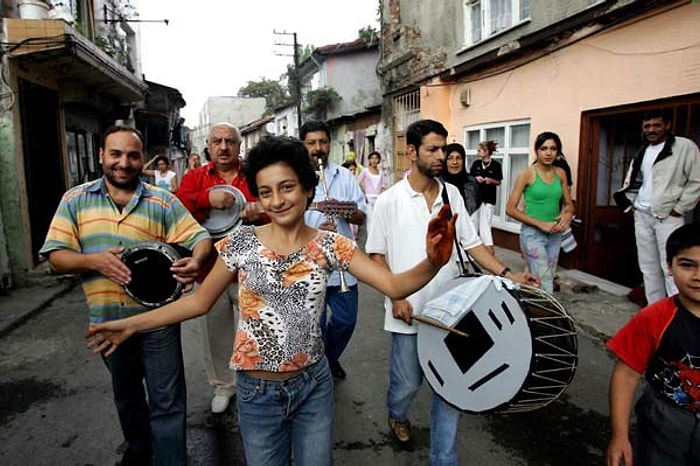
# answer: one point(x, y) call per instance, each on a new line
point(542, 200)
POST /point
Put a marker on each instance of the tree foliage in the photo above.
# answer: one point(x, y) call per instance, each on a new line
point(305, 51)
point(274, 92)
point(368, 33)
point(291, 82)
point(319, 101)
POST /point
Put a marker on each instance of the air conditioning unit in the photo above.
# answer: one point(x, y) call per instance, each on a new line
point(465, 97)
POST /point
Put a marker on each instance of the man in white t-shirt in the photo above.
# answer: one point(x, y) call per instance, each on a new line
point(395, 239)
point(661, 186)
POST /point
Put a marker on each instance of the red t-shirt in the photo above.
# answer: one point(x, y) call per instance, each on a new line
point(194, 194)
point(194, 189)
point(663, 342)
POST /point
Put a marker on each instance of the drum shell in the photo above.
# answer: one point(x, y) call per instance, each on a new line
point(521, 353)
point(555, 352)
point(220, 222)
point(152, 283)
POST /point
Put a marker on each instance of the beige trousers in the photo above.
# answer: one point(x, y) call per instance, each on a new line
point(218, 329)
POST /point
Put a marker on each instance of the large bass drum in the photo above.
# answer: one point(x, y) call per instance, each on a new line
point(152, 283)
point(521, 351)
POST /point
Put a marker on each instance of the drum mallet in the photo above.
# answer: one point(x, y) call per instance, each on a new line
point(436, 324)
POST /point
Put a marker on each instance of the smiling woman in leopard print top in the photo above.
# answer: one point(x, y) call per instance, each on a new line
point(285, 389)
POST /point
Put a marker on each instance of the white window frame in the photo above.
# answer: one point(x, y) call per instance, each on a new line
point(487, 26)
point(502, 155)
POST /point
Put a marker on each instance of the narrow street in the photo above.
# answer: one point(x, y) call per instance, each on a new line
point(56, 404)
point(513, 89)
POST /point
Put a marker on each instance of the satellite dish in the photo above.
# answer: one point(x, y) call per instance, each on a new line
point(270, 127)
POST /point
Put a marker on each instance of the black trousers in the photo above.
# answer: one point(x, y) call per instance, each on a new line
point(666, 434)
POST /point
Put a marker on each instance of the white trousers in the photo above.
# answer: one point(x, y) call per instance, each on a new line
point(651, 234)
point(218, 329)
point(481, 218)
point(371, 200)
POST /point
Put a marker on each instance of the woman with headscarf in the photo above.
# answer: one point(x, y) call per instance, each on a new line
point(455, 173)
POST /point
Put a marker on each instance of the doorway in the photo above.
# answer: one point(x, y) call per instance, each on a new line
point(610, 139)
point(42, 158)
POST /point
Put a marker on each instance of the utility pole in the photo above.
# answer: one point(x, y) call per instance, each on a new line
point(297, 81)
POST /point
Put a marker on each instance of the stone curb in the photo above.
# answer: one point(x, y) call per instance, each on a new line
point(20, 304)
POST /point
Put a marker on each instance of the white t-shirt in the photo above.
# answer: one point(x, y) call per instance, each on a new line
point(644, 197)
point(163, 181)
point(398, 228)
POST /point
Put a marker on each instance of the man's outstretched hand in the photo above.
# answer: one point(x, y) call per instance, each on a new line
point(440, 237)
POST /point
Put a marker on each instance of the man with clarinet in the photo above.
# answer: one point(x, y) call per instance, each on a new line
point(337, 203)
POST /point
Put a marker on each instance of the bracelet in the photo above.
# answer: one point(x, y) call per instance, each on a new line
point(505, 271)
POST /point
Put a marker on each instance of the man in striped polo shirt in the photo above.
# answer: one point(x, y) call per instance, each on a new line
point(93, 224)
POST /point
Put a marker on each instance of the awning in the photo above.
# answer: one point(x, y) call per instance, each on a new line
point(55, 48)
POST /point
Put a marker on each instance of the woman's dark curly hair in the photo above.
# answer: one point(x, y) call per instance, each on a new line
point(276, 149)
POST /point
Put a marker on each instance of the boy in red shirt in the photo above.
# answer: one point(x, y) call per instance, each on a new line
point(662, 342)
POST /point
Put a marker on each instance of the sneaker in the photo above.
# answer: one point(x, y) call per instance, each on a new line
point(219, 403)
point(338, 371)
point(401, 430)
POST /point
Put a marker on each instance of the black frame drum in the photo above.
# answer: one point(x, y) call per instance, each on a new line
point(220, 222)
point(152, 283)
point(521, 351)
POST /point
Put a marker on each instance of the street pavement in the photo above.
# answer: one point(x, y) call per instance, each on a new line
point(39, 311)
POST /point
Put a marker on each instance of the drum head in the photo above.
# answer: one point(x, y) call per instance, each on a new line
point(486, 370)
point(152, 283)
point(221, 221)
point(520, 355)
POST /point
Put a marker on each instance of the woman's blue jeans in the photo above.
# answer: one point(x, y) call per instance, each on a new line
point(541, 252)
point(281, 417)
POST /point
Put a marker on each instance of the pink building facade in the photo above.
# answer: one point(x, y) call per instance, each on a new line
point(591, 89)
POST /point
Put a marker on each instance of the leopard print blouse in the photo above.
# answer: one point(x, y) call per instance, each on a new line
point(281, 298)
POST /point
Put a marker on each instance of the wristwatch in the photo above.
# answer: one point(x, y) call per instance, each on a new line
point(504, 272)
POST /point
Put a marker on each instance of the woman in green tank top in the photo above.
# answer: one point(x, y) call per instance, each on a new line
point(547, 209)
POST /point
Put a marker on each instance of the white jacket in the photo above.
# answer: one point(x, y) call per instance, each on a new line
point(675, 179)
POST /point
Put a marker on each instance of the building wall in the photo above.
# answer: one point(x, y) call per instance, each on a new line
point(354, 77)
point(252, 138)
point(238, 111)
point(14, 209)
point(17, 224)
point(418, 43)
point(8, 203)
point(640, 61)
point(286, 122)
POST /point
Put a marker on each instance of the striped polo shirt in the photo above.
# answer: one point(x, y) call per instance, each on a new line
point(88, 221)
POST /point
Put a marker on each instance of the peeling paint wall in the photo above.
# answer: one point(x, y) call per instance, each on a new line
point(11, 251)
point(13, 270)
point(415, 40)
point(421, 38)
point(609, 69)
point(5, 147)
point(424, 38)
